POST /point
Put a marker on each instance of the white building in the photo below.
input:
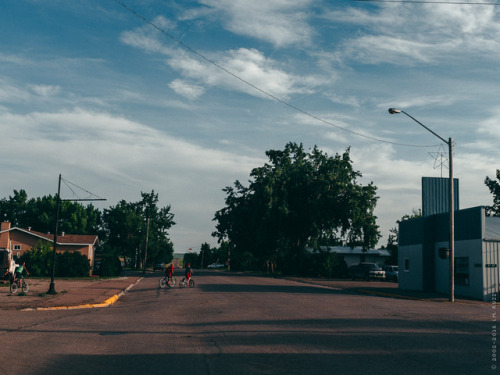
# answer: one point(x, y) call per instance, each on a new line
point(423, 253)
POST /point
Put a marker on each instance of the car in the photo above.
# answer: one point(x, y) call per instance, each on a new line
point(158, 266)
point(215, 265)
point(367, 271)
point(391, 273)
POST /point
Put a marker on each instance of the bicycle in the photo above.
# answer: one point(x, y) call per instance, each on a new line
point(184, 283)
point(167, 281)
point(14, 287)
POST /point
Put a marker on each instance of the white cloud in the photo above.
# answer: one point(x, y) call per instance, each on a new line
point(404, 34)
point(185, 89)
point(279, 22)
point(118, 158)
point(45, 90)
point(146, 37)
point(247, 67)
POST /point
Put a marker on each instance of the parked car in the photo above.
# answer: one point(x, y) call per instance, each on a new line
point(158, 266)
point(367, 271)
point(215, 265)
point(391, 273)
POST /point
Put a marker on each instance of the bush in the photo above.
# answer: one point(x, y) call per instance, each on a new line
point(327, 264)
point(39, 260)
point(72, 264)
point(69, 264)
point(110, 266)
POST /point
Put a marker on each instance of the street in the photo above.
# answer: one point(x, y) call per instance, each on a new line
point(238, 324)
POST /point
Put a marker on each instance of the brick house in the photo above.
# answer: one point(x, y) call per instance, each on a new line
point(21, 240)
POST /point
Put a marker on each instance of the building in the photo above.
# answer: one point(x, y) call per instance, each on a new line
point(423, 255)
point(355, 255)
point(21, 240)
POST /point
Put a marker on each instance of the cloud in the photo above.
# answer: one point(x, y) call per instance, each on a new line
point(185, 89)
point(117, 158)
point(246, 70)
point(146, 37)
point(45, 90)
point(404, 34)
point(280, 22)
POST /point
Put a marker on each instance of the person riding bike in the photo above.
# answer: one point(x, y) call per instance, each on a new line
point(189, 271)
point(18, 273)
point(169, 271)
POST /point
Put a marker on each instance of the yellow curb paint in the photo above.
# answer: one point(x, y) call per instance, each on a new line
point(106, 303)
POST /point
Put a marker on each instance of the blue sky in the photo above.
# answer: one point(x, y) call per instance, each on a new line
point(119, 106)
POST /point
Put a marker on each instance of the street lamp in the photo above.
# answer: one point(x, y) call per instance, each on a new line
point(449, 142)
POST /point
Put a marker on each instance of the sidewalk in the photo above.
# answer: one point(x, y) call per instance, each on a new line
point(383, 289)
point(70, 293)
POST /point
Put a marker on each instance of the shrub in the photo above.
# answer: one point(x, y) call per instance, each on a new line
point(69, 264)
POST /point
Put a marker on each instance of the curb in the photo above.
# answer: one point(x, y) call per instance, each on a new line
point(106, 303)
point(398, 296)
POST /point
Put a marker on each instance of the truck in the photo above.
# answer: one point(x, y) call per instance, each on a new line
point(7, 263)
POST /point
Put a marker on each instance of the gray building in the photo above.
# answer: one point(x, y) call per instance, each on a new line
point(422, 257)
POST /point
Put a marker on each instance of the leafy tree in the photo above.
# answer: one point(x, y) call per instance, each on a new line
point(297, 199)
point(494, 186)
point(40, 214)
point(393, 239)
point(125, 226)
point(39, 259)
point(191, 258)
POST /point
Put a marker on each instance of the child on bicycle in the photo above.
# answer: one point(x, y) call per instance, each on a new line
point(169, 271)
point(189, 271)
point(18, 273)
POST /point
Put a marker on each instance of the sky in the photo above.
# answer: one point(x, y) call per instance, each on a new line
point(185, 97)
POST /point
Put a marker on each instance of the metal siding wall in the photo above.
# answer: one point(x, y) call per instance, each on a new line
point(435, 195)
point(473, 250)
point(441, 269)
point(412, 279)
point(490, 280)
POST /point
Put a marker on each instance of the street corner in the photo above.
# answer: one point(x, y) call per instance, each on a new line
point(70, 294)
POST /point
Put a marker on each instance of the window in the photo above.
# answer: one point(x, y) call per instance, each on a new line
point(17, 247)
point(407, 265)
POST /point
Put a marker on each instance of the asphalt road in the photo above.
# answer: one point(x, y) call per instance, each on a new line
point(238, 324)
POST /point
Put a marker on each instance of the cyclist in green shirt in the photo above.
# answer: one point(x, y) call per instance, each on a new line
point(19, 272)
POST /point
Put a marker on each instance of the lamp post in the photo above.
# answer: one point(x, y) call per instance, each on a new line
point(449, 142)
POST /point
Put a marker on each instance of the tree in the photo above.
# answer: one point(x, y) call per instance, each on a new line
point(125, 226)
point(494, 186)
point(40, 214)
point(297, 199)
point(393, 239)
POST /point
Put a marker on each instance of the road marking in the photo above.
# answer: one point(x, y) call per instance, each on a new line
point(106, 303)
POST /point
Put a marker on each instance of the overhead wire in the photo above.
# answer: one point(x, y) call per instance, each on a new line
point(428, 2)
point(304, 112)
point(66, 182)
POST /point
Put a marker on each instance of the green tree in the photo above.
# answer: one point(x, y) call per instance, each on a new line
point(393, 238)
point(125, 227)
point(294, 200)
point(39, 214)
point(494, 186)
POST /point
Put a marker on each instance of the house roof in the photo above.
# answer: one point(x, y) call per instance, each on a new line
point(346, 250)
point(66, 239)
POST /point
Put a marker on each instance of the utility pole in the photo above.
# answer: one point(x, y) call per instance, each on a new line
point(146, 249)
point(52, 289)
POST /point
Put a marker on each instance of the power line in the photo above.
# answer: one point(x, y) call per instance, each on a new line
point(258, 88)
point(93, 197)
point(427, 2)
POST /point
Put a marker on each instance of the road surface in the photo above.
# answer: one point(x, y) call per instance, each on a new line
point(240, 324)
